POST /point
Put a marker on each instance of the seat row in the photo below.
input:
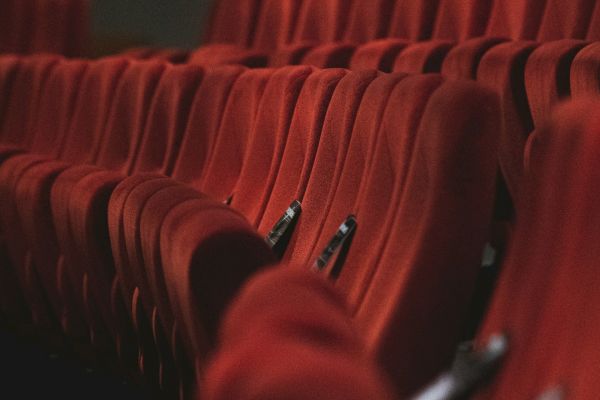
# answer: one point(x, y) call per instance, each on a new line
point(545, 304)
point(529, 77)
point(272, 24)
point(44, 26)
point(113, 186)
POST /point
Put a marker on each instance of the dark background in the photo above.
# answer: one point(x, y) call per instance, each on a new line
point(119, 24)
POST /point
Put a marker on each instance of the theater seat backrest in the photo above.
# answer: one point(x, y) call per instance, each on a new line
point(301, 145)
point(56, 108)
point(549, 273)
point(27, 90)
point(322, 21)
point(90, 116)
point(9, 66)
point(584, 71)
point(368, 20)
point(547, 76)
point(378, 55)
point(593, 32)
point(502, 69)
point(267, 140)
point(233, 21)
point(461, 19)
point(225, 164)
point(516, 20)
point(358, 158)
point(330, 55)
point(329, 163)
point(205, 119)
point(561, 21)
point(167, 119)
point(384, 184)
point(128, 115)
point(51, 21)
point(276, 23)
point(426, 273)
point(413, 20)
point(423, 57)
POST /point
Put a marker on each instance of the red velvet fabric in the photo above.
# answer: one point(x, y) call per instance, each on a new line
point(8, 70)
point(516, 19)
point(53, 119)
point(233, 21)
point(545, 299)
point(461, 19)
point(223, 168)
point(276, 24)
point(584, 71)
point(88, 205)
point(422, 57)
point(208, 251)
point(368, 20)
point(566, 22)
point(322, 21)
point(330, 55)
point(413, 20)
point(463, 60)
point(26, 94)
point(379, 193)
point(359, 156)
point(223, 54)
point(334, 147)
point(547, 76)
point(125, 123)
point(45, 26)
point(295, 168)
point(32, 192)
point(288, 336)
point(259, 162)
point(378, 55)
point(425, 275)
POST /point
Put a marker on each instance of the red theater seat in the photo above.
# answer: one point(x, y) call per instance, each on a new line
point(545, 299)
point(422, 57)
point(330, 55)
point(516, 20)
point(368, 20)
point(547, 76)
point(225, 163)
point(287, 335)
point(9, 66)
point(233, 21)
point(88, 203)
point(32, 192)
point(262, 154)
point(502, 69)
point(413, 20)
point(584, 71)
point(275, 26)
point(322, 21)
point(461, 19)
point(25, 96)
point(565, 22)
point(377, 55)
point(53, 119)
point(124, 127)
point(208, 251)
point(424, 277)
point(298, 157)
point(334, 147)
point(384, 182)
point(359, 157)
